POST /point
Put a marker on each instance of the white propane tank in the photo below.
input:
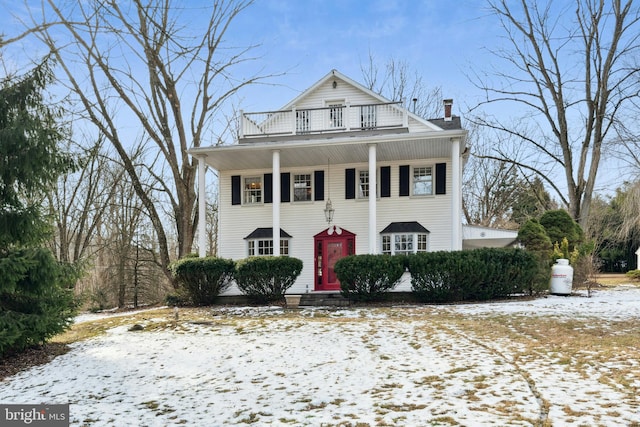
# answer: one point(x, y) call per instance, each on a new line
point(561, 277)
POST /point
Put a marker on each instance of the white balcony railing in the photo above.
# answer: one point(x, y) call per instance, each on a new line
point(322, 120)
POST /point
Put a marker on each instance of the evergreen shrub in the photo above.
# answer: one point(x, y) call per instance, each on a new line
point(473, 275)
point(368, 277)
point(266, 279)
point(36, 298)
point(202, 279)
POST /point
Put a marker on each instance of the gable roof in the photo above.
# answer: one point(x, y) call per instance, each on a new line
point(335, 74)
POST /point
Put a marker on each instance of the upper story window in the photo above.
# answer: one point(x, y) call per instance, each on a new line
point(368, 116)
point(253, 190)
point(302, 121)
point(302, 187)
point(423, 181)
point(363, 184)
point(336, 109)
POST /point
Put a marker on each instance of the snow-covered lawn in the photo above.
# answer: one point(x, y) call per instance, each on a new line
point(560, 361)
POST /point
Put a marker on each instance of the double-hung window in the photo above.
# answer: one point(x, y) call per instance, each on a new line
point(253, 190)
point(302, 187)
point(423, 181)
point(363, 184)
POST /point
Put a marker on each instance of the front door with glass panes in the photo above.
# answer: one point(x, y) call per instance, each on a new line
point(331, 245)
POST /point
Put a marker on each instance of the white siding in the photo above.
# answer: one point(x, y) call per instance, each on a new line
point(303, 220)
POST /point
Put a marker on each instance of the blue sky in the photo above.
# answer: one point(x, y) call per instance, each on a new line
point(441, 40)
point(437, 38)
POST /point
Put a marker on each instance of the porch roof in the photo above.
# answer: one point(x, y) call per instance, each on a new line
point(344, 148)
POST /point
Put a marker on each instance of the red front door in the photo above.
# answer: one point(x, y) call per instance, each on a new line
point(331, 245)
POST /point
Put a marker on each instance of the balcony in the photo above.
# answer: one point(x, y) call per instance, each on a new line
point(332, 119)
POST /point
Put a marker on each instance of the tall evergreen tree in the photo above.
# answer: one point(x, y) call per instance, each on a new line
point(36, 297)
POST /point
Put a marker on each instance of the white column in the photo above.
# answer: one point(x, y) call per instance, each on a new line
point(456, 196)
point(373, 243)
point(275, 170)
point(202, 205)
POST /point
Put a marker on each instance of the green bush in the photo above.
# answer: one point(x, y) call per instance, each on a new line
point(368, 277)
point(267, 279)
point(36, 298)
point(203, 279)
point(479, 274)
point(534, 238)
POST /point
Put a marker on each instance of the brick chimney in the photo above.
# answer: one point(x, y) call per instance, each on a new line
point(447, 109)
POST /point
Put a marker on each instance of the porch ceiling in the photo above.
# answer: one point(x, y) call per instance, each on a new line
point(336, 151)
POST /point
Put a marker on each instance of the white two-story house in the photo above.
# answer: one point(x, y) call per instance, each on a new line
point(340, 170)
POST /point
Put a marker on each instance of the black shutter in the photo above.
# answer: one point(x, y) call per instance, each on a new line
point(349, 183)
point(404, 180)
point(236, 191)
point(385, 181)
point(268, 188)
point(441, 178)
point(285, 187)
point(318, 185)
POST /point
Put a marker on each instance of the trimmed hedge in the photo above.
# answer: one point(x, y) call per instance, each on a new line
point(368, 277)
point(203, 279)
point(267, 279)
point(479, 274)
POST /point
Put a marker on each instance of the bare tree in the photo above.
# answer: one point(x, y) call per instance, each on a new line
point(571, 81)
point(136, 68)
point(78, 204)
point(398, 82)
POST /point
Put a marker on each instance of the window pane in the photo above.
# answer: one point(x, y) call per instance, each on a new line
point(403, 244)
point(252, 248)
point(422, 243)
point(386, 245)
point(422, 181)
point(301, 187)
point(363, 184)
point(253, 190)
point(265, 247)
point(284, 247)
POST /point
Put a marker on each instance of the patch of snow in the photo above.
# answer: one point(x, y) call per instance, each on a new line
point(363, 366)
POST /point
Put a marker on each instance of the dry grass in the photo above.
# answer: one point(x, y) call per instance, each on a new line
point(579, 346)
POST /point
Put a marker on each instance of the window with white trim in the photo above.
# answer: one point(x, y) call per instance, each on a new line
point(264, 247)
point(423, 181)
point(404, 243)
point(253, 190)
point(302, 187)
point(363, 184)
